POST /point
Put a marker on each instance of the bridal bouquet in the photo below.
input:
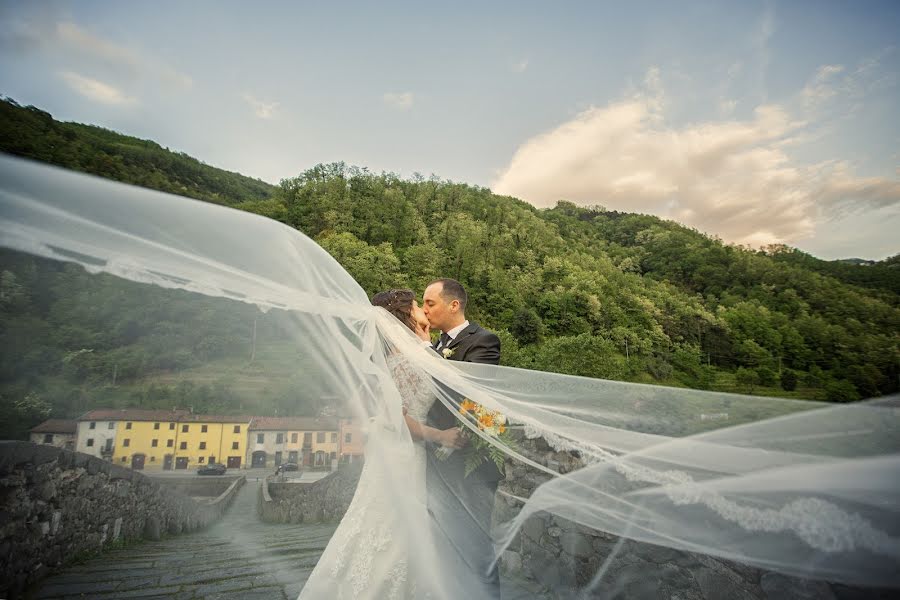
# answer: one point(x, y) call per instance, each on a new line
point(478, 450)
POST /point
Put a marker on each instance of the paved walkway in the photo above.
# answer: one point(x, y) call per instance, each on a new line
point(238, 558)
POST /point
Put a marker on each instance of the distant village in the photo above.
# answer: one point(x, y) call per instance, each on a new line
point(178, 439)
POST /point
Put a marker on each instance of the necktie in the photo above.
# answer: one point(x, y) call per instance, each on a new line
point(445, 340)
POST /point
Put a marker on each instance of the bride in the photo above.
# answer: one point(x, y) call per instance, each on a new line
point(370, 553)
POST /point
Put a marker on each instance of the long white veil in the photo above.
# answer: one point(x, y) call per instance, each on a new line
point(800, 488)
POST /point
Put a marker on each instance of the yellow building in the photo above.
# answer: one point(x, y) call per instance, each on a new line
point(204, 439)
point(144, 439)
point(176, 440)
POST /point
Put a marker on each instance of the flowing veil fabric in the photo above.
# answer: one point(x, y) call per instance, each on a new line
point(800, 488)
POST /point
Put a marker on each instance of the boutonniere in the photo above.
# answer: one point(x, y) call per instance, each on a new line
point(448, 352)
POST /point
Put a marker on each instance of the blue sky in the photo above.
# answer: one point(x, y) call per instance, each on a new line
point(758, 122)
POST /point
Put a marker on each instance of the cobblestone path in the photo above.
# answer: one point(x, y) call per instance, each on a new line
point(238, 558)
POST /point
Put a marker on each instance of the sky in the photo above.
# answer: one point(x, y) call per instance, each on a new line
point(757, 122)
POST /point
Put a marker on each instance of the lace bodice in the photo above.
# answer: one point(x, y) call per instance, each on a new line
point(413, 385)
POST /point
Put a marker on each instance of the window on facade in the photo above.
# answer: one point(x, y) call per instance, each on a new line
point(212, 459)
point(320, 437)
point(260, 438)
point(127, 425)
point(156, 426)
point(348, 437)
point(333, 437)
point(152, 459)
point(234, 445)
point(279, 438)
point(183, 446)
point(48, 438)
point(201, 459)
point(294, 438)
point(90, 442)
point(203, 429)
point(184, 429)
point(170, 443)
point(93, 425)
point(171, 426)
point(109, 444)
point(333, 455)
point(110, 425)
point(307, 439)
point(237, 428)
point(203, 445)
point(124, 459)
point(154, 443)
point(126, 442)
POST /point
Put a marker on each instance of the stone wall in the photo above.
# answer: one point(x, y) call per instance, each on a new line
point(324, 500)
point(57, 506)
point(561, 556)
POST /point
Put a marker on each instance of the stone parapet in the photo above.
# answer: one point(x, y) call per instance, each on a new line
point(57, 506)
point(325, 500)
point(561, 556)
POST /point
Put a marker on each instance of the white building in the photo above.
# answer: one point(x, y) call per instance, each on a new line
point(97, 433)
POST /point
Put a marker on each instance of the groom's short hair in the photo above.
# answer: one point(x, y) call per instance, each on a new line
point(452, 290)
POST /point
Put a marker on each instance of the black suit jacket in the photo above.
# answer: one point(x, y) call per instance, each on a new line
point(478, 345)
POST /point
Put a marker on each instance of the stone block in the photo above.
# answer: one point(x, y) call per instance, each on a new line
point(511, 562)
point(776, 586)
point(117, 529)
point(576, 544)
point(152, 528)
point(534, 528)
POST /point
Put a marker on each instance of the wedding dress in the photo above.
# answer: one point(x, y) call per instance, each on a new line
point(369, 553)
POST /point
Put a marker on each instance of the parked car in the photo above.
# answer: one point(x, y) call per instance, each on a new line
point(212, 469)
point(288, 466)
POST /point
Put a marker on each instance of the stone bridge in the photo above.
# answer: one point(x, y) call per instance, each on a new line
point(261, 540)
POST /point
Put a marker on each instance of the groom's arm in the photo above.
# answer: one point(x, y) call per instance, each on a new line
point(486, 349)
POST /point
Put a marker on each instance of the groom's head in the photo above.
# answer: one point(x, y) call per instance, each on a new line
point(444, 303)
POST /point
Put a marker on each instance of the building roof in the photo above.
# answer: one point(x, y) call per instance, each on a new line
point(56, 426)
point(215, 419)
point(133, 414)
point(294, 424)
point(185, 416)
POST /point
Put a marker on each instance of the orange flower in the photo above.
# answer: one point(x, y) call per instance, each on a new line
point(486, 421)
point(467, 406)
point(502, 428)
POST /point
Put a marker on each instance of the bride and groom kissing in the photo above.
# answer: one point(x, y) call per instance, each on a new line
point(450, 517)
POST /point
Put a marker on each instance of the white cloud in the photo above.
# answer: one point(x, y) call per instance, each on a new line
point(401, 101)
point(520, 66)
point(96, 90)
point(729, 177)
point(262, 109)
point(76, 48)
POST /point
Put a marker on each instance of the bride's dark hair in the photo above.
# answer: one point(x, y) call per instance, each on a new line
point(399, 303)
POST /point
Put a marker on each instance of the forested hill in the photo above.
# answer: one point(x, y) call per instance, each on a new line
point(33, 133)
point(577, 290)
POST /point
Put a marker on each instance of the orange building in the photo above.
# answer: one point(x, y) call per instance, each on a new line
point(351, 440)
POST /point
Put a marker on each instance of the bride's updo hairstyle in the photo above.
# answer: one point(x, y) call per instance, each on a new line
point(399, 303)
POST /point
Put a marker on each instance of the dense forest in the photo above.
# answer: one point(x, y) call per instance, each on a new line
point(577, 290)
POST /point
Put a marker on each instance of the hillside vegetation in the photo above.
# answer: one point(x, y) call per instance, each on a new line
point(577, 290)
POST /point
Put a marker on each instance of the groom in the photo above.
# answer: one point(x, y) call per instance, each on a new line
point(461, 505)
